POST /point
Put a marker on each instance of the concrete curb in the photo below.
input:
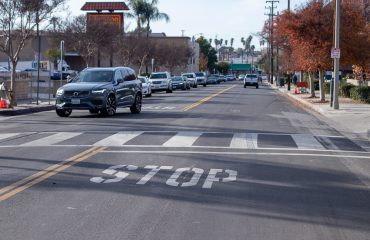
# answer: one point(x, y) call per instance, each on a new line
point(306, 104)
point(16, 112)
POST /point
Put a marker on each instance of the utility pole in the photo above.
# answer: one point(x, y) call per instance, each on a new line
point(271, 18)
point(336, 58)
point(38, 55)
point(289, 5)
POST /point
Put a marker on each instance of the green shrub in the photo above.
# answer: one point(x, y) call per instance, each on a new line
point(345, 90)
point(361, 93)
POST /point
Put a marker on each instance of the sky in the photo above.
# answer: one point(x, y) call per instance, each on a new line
point(224, 19)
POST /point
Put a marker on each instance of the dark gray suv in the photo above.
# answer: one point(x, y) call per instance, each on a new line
point(100, 90)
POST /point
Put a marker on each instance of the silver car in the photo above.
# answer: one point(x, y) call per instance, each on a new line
point(147, 86)
point(161, 81)
point(192, 78)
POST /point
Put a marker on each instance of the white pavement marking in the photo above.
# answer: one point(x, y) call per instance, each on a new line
point(212, 178)
point(182, 139)
point(307, 141)
point(244, 140)
point(117, 140)
point(154, 171)
point(239, 141)
point(53, 139)
point(7, 135)
point(119, 175)
point(172, 181)
point(251, 153)
point(252, 140)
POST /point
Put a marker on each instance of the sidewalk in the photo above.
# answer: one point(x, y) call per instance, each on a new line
point(352, 118)
point(26, 107)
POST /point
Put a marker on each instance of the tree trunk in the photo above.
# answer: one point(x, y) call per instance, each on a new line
point(12, 91)
point(312, 84)
point(289, 81)
point(322, 90)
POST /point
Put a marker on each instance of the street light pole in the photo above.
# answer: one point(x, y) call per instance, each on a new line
point(38, 56)
point(336, 59)
point(61, 61)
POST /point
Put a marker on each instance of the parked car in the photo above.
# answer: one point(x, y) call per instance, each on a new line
point(147, 86)
point(4, 70)
point(241, 77)
point(192, 78)
point(180, 82)
point(100, 90)
point(251, 80)
point(213, 79)
point(222, 78)
point(201, 78)
point(30, 70)
point(161, 81)
point(230, 77)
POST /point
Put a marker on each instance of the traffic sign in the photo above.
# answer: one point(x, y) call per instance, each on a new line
point(335, 53)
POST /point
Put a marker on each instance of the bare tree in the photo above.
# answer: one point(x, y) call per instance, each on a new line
point(86, 40)
point(18, 21)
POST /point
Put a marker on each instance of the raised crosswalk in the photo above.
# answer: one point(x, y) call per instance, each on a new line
point(182, 139)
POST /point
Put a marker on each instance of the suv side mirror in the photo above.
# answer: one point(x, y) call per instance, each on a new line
point(120, 80)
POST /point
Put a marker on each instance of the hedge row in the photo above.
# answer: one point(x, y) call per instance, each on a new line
point(360, 93)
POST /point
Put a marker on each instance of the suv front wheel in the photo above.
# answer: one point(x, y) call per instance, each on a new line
point(110, 107)
point(136, 107)
point(63, 112)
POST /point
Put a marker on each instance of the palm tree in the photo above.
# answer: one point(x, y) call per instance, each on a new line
point(243, 42)
point(137, 11)
point(252, 53)
point(247, 45)
point(152, 13)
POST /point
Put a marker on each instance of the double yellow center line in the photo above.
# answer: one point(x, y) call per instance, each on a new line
point(46, 173)
point(191, 106)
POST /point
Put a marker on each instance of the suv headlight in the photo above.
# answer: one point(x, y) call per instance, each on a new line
point(101, 91)
point(60, 92)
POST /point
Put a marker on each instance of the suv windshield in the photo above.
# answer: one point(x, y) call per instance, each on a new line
point(251, 76)
point(158, 76)
point(177, 79)
point(199, 74)
point(95, 76)
point(188, 75)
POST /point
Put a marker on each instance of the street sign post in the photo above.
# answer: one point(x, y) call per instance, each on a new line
point(335, 53)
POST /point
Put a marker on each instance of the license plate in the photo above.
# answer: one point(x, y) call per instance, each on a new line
point(76, 101)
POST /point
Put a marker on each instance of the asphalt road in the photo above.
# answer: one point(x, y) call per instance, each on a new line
point(220, 162)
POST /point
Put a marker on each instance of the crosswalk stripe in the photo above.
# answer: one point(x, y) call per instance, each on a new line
point(244, 140)
point(252, 140)
point(117, 139)
point(53, 139)
point(183, 139)
point(239, 141)
point(306, 141)
point(7, 135)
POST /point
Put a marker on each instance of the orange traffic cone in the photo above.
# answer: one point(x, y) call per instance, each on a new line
point(2, 103)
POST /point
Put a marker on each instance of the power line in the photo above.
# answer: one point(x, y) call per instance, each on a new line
point(271, 24)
